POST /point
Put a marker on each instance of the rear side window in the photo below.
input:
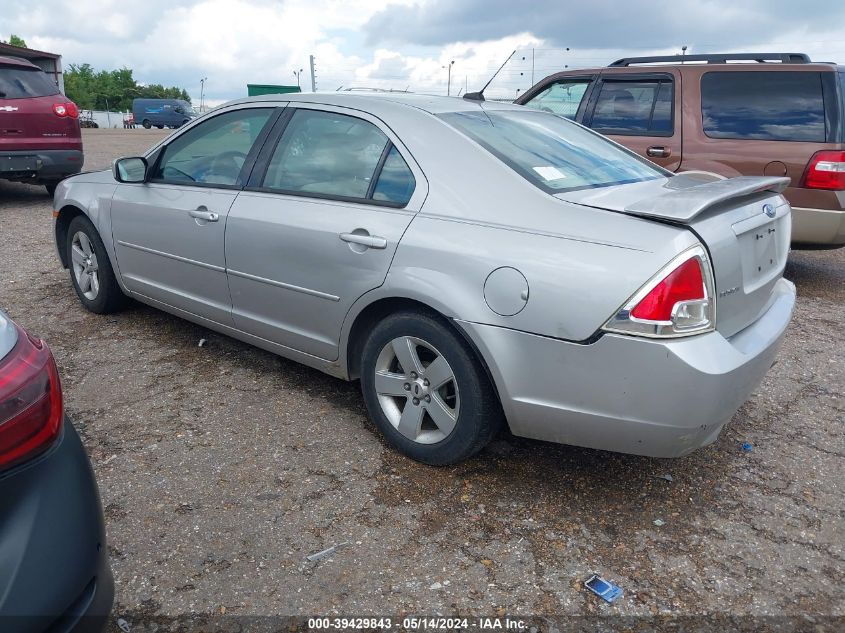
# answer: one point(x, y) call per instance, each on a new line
point(395, 182)
point(562, 97)
point(768, 106)
point(327, 155)
point(22, 83)
point(552, 153)
point(634, 107)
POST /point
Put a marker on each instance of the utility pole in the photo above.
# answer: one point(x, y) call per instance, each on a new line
point(313, 74)
point(449, 84)
point(202, 91)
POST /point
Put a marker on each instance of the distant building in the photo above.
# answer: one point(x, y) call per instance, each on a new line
point(253, 90)
point(50, 63)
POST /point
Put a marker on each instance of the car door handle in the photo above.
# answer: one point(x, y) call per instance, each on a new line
point(657, 151)
point(370, 241)
point(204, 214)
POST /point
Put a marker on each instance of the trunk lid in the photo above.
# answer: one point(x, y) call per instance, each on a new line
point(744, 223)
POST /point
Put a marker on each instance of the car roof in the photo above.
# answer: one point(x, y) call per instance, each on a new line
point(382, 102)
point(17, 61)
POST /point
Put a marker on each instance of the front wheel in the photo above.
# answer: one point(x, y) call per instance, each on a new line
point(147, 124)
point(90, 269)
point(426, 391)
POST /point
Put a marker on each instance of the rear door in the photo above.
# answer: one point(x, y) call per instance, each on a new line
point(168, 232)
point(642, 111)
point(27, 118)
point(318, 225)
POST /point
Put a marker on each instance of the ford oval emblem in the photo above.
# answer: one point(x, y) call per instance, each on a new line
point(769, 210)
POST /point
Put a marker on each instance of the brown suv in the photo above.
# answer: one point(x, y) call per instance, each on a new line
point(770, 114)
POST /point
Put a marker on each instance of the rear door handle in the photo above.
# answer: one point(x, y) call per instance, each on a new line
point(204, 214)
point(370, 241)
point(657, 151)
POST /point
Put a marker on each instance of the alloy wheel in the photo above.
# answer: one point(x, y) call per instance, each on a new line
point(85, 268)
point(417, 390)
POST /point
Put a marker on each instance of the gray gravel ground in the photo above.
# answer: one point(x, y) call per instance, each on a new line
point(221, 467)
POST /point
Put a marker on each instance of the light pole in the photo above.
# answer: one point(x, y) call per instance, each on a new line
point(449, 81)
point(297, 74)
point(202, 91)
point(683, 53)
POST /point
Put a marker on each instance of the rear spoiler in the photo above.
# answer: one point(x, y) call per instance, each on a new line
point(689, 194)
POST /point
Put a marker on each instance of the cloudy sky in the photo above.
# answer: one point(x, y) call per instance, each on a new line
point(403, 43)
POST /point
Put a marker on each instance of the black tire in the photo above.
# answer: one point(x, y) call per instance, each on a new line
point(51, 188)
point(160, 127)
point(479, 416)
point(110, 297)
point(146, 123)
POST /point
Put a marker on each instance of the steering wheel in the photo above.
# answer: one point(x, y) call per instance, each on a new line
point(227, 163)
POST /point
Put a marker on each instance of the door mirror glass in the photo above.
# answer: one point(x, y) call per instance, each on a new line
point(133, 169)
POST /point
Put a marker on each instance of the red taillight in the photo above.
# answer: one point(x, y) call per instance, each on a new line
point(685, 283)
point(66, 109)
point(30, 401)
point(677, 301)
point(826, 170)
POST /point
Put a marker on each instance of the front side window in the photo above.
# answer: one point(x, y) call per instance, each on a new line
point(21, 83)
point(768, 106)
point(634, 107)
point(326, 154)
point(562, 97)
point(213, 152)
point(552, 153)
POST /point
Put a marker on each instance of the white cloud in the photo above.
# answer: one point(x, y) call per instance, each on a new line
point(235, 42)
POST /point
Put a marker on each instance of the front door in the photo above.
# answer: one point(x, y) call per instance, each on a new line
point(318, 228)
point(168, 232)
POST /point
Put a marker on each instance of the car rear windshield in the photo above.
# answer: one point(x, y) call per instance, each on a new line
point(551, 152)
point(21, 83)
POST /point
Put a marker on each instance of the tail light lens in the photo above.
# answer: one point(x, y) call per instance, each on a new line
point(66, 109)
point(677, 301)
point(30, 401)
point(826, 170)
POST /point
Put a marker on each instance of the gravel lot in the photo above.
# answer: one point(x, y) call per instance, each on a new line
point(221, 467)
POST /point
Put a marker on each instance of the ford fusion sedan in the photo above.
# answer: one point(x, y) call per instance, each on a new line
point(54, 570)
point(473, 264)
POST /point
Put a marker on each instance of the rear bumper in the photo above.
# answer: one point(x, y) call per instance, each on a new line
point(54, 568)
point(818, 228)
point(662, 398)
point(49, 165)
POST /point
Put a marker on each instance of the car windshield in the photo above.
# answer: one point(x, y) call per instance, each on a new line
point(21, 83)
point(551, 152)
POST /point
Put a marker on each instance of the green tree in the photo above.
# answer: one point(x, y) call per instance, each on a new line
point(113, 89)
point(14, 40)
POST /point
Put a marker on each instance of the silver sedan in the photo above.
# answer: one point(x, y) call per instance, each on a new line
point(473, 264)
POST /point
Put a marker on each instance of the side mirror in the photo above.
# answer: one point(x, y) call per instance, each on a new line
point(131, 170)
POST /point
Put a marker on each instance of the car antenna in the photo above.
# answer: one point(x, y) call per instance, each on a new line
point(479, 96)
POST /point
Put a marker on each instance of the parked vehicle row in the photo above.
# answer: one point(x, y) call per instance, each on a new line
point(752, 118)
point(562, 285)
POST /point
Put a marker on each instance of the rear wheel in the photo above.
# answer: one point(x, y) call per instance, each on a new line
point(51, 188)
point(90, 269)
point(425, 390)
point(146, 123)
point(160, 127)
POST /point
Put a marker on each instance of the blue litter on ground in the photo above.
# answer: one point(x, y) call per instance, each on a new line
point(746, 446)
